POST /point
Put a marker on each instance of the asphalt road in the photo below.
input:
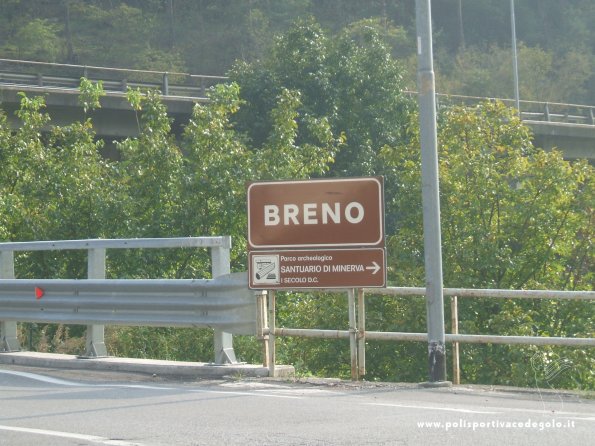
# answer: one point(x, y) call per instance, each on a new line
point(54, 407)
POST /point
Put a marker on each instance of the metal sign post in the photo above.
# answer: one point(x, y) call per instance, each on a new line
point(272, 324)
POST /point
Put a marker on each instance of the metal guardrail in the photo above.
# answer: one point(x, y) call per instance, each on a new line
point(358, 335)
point(72, 304)
point(114, 80)
point(121, 243)
point(225, 303)
point(530, 110)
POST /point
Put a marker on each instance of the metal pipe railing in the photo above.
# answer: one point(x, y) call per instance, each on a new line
point(362, 335)
point(194, 85)
point(47, 74)
point(537, 110)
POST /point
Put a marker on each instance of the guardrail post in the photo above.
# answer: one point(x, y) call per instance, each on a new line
point(361, 332)
point(546, 112)
point(592, 117)
point(454, 315)
point(9, 341)
point(220, 265)
point(165, 84)
point(95, 345)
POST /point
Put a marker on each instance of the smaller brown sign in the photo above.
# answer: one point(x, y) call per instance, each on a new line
point(334, 268)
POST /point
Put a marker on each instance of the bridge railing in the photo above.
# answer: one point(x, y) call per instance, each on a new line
point(14, 304)
point(529, 110)
point(170, 83)
point(358, 335)
point(54, 75)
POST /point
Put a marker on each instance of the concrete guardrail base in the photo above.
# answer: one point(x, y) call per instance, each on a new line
point(147, 366)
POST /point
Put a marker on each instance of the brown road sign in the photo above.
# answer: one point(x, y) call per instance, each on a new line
point(325, 213)
point(318, 268)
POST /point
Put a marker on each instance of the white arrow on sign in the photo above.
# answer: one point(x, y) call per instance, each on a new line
point(376, 267)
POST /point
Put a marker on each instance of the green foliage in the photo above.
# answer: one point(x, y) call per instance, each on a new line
point(38, 40)
point(209, 36)
point(175, 344)
point(351, 82)
point(312, 356)
point(513, 216)
point(318, 104)
point(89, 94)
point(472, 39)
point(543, 76)
point(57, 186)
point(524, 228)
point(510, 212)
point(52, 338)
point(201, 193)
point(181, 344)
point(54, 185)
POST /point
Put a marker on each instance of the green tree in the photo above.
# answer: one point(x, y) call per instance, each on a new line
point(543, 75)
point(513, 216)
point(525, 204)
point(219, 162)
point(351, 80)
point(54, 184)
point(151, 168)
point(367, 98)
point(121, 34)
point(38, 40)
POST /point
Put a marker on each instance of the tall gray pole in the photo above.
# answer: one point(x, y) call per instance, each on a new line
point(515, 66)
point(430, 194)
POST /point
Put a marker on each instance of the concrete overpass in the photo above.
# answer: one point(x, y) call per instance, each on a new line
point(114, 120)
point(569, 127)
point(59, 84)
point(575, 140)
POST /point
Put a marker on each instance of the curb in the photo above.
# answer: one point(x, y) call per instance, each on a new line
point(146, 366)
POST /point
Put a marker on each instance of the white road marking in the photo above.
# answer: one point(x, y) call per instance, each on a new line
point(245, 393)
point(62, 382)
point(280, 391)
point(45, 379)
point(49, 380)
point(83, 437)
point(447, 409)
point(557, 413)
point(585, 416)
